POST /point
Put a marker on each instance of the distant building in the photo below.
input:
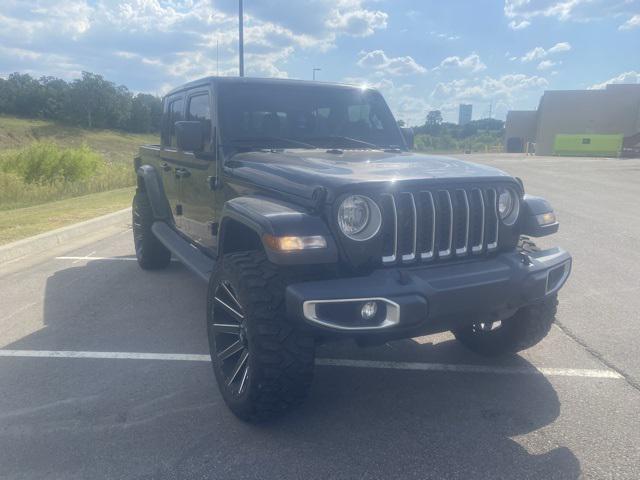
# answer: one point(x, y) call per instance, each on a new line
point(464, 114)
point(578, 122)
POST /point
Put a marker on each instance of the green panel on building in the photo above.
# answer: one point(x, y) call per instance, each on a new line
point(588, 145)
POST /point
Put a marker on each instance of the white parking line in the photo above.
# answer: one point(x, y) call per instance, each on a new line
point(331, 362)
point(97, 258)
point(126, 259)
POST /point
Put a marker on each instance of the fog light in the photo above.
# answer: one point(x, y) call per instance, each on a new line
point(369, 310)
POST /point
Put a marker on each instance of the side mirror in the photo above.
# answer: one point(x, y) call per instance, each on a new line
point(189, 136)
point(407, 133)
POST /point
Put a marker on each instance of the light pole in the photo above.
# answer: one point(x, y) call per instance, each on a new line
point(315, 69)
point(241, 37)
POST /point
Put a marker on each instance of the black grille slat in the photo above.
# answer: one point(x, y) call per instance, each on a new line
point(476, 220)
point(460, 222)
point(432, 225)
point(444, 223)
point(426, 225)
point(491, 219)
point(407, 226)
point(388, 229)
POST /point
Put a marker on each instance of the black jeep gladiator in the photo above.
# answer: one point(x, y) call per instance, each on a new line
point(301, 206)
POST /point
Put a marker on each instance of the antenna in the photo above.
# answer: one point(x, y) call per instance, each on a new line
point(241, 37)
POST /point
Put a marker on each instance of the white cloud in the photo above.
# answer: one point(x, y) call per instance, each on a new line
point(444, 36)
point(633, 22)
point(547, 64)
point(626, 77)
point(357, 23)
point(560, 47)
point(539, 53)
point(519, 25)
point(471, 62)
point(503, 93)
point(567, 10)
point(563, 9)
point(378, 60)
point(175, 38)
point(534, 54)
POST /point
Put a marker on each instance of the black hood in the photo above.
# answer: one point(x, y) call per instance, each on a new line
point(299, 172)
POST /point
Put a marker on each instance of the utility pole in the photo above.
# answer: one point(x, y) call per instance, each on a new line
point(315, 69)
point(490, 108)
point(241, 37)
point(217, 58)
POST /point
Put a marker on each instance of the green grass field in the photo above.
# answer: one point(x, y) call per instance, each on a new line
point(24, 222)
point(29, 207)
point(116, 147)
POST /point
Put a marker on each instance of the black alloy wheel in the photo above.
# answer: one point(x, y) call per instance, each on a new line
point(230, 337)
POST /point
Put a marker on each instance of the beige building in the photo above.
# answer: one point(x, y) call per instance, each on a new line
point(614, 110)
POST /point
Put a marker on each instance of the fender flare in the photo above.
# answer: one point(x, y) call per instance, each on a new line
point(267, 216)
point(150, 182)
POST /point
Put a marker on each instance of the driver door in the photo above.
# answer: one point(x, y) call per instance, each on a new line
point(199, 172)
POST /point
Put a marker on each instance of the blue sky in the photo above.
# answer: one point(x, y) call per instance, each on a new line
point(422, 55)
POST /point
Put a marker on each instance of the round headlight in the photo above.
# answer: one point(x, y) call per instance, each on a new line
point(359, 217)
point(508, 205)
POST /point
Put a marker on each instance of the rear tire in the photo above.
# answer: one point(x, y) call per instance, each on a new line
point(262, 362)
point(151, 254)
point(524, 329)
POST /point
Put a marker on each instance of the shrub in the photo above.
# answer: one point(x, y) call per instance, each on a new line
point(48, 163)
point(45, 172)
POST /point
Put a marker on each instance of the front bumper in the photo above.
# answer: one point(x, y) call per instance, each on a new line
point(432, 299)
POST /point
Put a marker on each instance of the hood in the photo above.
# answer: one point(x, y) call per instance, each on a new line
point(299, 172)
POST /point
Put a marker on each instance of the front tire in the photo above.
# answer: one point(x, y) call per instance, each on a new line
point(151, 254)
point(263, 364)
point(524, 329)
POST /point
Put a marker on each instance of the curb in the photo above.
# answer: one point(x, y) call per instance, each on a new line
point(48, 240)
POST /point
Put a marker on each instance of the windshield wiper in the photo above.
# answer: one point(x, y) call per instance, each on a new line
point(256, 142)
point(335, 139)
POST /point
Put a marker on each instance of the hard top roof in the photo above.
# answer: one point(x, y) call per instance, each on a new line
point(258, 81)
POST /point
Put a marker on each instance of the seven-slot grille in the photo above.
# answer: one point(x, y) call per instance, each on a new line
point(438, 224)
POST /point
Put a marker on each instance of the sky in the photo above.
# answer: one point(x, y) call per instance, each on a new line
point(422, 54)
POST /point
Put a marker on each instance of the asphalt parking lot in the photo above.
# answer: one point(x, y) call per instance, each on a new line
point(104, 371)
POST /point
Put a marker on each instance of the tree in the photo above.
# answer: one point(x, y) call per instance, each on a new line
point(401, 123)
point(146, 112)
point(23, 95)
point(434, 117)
point(90, 101)
point(56, 98)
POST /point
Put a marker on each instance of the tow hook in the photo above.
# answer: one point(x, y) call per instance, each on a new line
point(525, 259)
point(403, 277)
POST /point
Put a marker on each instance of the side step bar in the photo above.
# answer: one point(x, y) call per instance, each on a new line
point(190, 256)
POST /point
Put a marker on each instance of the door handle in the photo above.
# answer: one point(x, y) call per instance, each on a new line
point(182, 173)
point(166, 167)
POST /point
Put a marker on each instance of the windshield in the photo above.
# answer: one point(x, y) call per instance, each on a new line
point(285, 116)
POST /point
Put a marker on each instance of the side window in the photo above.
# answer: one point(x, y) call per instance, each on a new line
point(200, 110)
point(172, 114)
point(175, 115)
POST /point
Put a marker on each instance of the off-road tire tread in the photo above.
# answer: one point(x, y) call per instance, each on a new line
point(282, 356)
point(151, 254)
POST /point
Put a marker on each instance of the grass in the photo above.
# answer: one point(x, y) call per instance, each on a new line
point(115, 147)
point(53, 175)
point(24, 222)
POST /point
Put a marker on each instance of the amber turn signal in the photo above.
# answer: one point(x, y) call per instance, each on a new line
point(292, 244)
